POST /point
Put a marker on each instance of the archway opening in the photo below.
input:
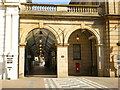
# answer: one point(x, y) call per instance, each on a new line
point(82, 53)
point(40, 53)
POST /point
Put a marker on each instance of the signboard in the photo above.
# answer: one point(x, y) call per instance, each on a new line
point(9, 61)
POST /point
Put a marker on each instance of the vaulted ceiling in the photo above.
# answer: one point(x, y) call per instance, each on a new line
point(39, 37)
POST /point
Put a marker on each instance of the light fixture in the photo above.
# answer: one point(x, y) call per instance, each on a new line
point(40, 48)
point(77, 38)
point(40, 51)
point(40, 32)
point(40, 45)
point(40, 41)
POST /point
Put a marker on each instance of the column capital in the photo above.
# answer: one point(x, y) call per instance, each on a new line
point(99, 44)
point(62, 45)
point(22, 44)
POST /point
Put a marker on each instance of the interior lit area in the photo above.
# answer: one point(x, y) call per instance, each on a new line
point(40, 53)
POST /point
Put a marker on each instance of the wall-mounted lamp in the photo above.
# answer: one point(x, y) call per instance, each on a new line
point(40, 41)
point(77, 38)
point(40, 51)
point(40, 45)
point(40, 48)
point(118, 44)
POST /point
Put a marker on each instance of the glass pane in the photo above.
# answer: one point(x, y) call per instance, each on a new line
point(76, 52)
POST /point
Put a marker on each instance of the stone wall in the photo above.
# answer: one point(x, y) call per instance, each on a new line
point(114, 26)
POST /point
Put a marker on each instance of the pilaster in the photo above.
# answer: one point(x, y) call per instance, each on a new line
point(100, 57)
point(62, 61)
point(21, 60)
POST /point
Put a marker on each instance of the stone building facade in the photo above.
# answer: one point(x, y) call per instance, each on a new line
point(80, 39)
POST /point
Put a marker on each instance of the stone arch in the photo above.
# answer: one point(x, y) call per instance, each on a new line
point(24, 34)
point(88, 51)
point(97, 35)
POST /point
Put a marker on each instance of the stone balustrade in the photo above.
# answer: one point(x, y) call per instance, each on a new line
point(57, 8)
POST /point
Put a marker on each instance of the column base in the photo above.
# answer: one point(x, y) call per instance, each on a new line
point(62, 76)
point(21, 75)
point(113, 73)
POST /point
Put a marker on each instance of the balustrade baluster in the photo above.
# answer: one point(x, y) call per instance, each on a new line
point(84, 10)
point(26, 7)
point(48, 9)
point(29, 7)
point(45, 8)
point(87, 10)
point(55, 8)
point(91, 10)
point(34, 8)
point(52, 8)
point(80, 9)
point(95, 9)
point(75, 9)
point(41, 9)
point(38, 8)
point(70, 9)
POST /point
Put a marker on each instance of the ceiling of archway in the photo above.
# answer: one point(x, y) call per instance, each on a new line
point(34, 37)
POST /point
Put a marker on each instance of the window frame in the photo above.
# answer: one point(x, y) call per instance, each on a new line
point(75, 51)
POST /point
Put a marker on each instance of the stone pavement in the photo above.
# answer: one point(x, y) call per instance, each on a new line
point(70, 83)
point(28, 82)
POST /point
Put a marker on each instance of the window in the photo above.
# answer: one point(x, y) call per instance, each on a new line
point(76, 52)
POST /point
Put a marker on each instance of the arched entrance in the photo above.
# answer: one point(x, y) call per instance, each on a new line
point(82, 53)
point(40, 53)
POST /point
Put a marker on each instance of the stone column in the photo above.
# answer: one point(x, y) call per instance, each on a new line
point(100, 59)
point(62, 61)
point(21, 60)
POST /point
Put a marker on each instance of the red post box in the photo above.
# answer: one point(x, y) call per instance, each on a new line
point(77, 67)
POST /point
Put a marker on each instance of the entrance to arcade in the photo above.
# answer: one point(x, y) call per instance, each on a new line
point(40, 53)
point(82, 54)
